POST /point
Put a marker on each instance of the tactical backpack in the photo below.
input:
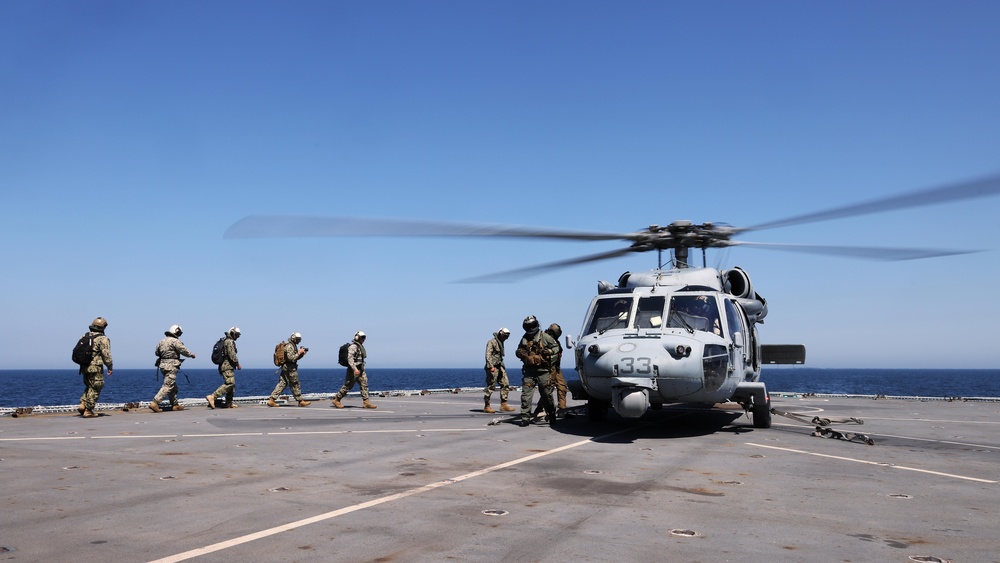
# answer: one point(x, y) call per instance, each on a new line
point(279, 354)
point(219, 351)
point(342, 358)
point(83, 352)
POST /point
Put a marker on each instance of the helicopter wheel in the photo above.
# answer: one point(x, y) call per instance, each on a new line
point(597, 411)
point(762, 415)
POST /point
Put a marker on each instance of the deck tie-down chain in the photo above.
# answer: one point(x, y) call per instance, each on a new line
point(821, 423)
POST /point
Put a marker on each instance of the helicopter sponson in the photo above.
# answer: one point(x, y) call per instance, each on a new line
point(668, 336)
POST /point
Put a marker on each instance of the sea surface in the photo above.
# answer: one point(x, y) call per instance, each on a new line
point(29, 388)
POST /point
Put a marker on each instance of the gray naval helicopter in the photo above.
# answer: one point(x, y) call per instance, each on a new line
point(676, 334)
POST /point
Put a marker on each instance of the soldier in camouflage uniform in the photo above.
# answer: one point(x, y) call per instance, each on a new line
point(496, 372)
point(356, 355)
point(555, 375)
point(536, 350)
point(558, 381)
point(93, 374)
point(290, 372)
point(230, 362)
point(168, 354)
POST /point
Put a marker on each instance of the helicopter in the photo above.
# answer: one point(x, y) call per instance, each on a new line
point(676, 334)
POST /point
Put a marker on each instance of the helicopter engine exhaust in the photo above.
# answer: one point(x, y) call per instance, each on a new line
point(737, 283)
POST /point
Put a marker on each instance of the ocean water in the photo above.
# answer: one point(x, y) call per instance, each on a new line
point(28, 388)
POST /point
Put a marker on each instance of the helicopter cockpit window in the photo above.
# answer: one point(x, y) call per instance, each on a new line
point(733, 318)
point(610, 314)
point(694, 312)
point(650, 312)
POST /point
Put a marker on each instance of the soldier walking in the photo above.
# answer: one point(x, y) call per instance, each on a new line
point(230, 362)
point(169, 352)
point(93, 371)
point(290, 372)
point(496, 372)
point(356, 355)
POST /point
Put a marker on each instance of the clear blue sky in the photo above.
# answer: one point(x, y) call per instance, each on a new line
point(135, 132)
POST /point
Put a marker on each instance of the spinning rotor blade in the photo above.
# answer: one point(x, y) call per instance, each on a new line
point(953, 192)
point(866, 252)
point(521, 273)
point(676, 235)
point(269, 226)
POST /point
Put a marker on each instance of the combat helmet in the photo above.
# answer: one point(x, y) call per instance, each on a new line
point(555, 330)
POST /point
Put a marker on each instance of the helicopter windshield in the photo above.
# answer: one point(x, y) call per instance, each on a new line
point(650, 312)
point(610, 314)
point(694, 312)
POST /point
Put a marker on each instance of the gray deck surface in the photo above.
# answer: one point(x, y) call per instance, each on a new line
point(427, 478)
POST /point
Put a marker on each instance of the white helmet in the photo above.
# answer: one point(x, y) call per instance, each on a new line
point(233, 332)
point(359, 335)
point(295, 338)
point(175, 331)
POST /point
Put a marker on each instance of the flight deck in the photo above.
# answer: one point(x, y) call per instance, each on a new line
point(431, 478)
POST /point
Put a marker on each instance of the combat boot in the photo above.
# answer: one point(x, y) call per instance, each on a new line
point(178, 407)
point(304, 403)
point(211, 401)
point(271, 403)
point(506, 408)
point(154, 406)
point(336, 403)
point(82, 408)
point(488, 409)
point(89, 414)
point(368, 405)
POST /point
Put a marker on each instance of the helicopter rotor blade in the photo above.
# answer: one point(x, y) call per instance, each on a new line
point(271, 226)
point(982, 187)
point(867, 252)
point(521, 273)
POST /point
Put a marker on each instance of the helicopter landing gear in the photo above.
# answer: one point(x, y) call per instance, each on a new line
point(597, 411)
point(762, 413)
point(754, 398)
